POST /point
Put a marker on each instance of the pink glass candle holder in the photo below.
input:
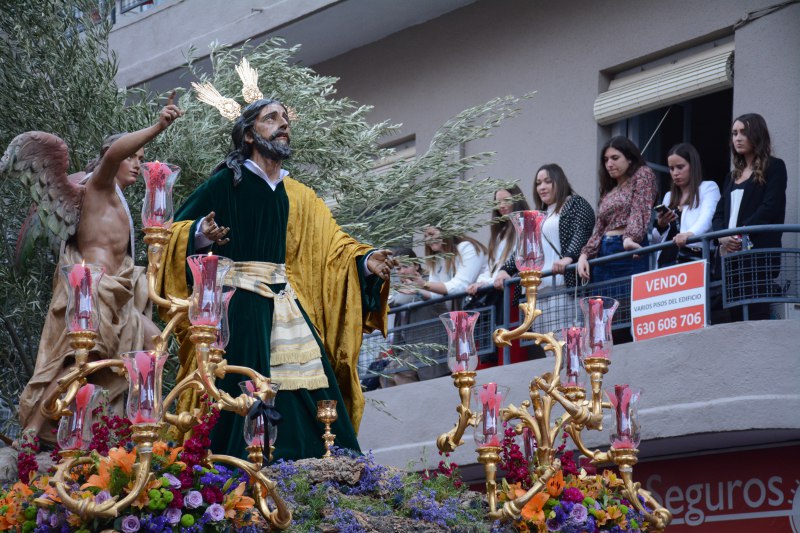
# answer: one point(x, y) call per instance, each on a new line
point(461, 353)
point(145, 370)
point(205, 304)
point(529, 446)
point(598, 315)
point(529, 252)
point(625, 401)
point(82, 281)
point(254, 426)
point(159, 179)
point(223, 328)
point(487, 402)
point(573, 374)
point(75, 430)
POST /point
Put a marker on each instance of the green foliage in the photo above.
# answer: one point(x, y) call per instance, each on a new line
point(58, 76)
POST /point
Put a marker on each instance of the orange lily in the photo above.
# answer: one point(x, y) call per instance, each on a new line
point(123, 459)
point(102, 479)
point(235, 500)
point(533, 509)
point(601, 518)
point(610, 478)
point(555, 485)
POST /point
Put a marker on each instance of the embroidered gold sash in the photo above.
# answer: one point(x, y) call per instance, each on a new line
point(295, 357)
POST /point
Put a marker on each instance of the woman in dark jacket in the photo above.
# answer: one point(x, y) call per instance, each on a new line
point(753, 194)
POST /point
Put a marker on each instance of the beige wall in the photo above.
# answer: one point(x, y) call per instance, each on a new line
point(565, 51)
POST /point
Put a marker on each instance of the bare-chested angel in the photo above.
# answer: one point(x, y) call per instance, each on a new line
point(90, 214)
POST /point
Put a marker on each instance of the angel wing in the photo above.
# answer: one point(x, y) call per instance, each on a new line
point(40, 160)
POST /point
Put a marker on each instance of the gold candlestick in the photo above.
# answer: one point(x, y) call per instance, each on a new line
point(326, 413)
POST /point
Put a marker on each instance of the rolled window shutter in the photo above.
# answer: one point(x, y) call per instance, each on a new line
point(688, 78)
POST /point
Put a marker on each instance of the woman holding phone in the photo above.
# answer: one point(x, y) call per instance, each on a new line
point(688, 207)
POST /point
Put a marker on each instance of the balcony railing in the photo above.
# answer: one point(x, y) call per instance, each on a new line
point(745, 278)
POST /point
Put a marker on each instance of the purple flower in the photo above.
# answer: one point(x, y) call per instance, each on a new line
point(173, 481)
point(130, 524)
point(102, 496)
point(578, 514)
point(193, 499)
point(41, 517)
point(173, 516)
point(215, 512)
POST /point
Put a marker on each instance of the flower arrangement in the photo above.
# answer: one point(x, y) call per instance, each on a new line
point(573, 500)
point(184, 496)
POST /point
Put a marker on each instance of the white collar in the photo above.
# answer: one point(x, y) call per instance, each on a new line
point(257, 170)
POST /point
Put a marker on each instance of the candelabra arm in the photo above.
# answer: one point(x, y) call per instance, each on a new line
point(56, 406)
point(596, 456)
point(489, 456)
point(448, 442)
point(511, 412)
point(223, 368)
point(512, 509)
point(86, 507)
point(160, 341)
point(625, 459)
point(156, 240)
point(531, 281)
point(580, 414)
point(281, 516)
point(596, 368)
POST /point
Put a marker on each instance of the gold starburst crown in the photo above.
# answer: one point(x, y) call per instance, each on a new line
point(228, 107)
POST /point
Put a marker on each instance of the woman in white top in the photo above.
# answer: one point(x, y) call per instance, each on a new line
point(453, 262)
point(690, 205)
point(502, 235)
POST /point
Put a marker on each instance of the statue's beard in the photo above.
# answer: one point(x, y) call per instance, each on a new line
point(276, 151)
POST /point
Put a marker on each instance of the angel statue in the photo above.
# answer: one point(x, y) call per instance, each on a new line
point(88, 212)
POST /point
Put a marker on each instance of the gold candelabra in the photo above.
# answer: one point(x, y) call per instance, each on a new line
point(211, 366)
point(545, 392)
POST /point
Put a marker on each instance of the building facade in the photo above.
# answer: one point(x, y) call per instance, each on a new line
point(720, 411)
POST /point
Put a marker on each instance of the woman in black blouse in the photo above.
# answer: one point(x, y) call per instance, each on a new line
point(753, 194)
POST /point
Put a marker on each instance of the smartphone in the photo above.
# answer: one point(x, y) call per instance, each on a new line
point(661, 209)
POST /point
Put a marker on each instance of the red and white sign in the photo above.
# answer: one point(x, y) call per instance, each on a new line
point(669, 300)
point(738, 492)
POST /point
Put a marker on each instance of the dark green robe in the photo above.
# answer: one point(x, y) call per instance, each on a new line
point(258, 218)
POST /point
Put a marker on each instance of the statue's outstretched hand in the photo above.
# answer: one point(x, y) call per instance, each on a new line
point(381, 263)
point(213, 232)
point(169, 112)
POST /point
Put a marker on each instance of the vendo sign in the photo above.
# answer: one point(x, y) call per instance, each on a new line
point(668, 300)
point(749, 491)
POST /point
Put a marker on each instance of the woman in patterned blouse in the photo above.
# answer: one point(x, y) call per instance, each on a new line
point(627, 194)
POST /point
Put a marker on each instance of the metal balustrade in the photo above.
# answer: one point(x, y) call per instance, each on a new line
point(756, 276)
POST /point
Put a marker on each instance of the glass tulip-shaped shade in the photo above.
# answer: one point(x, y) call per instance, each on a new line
point(82, 282)
point(529, 254)
point(625, 401)
point(145, 369)
point(205, 303)
point(487, 402)
point(157, 209)
point(254, 427)
point(75, 430)
point(598, 316)
point(461, 352)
